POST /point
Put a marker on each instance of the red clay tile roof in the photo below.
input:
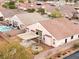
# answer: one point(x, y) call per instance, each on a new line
point(67, 10)
point(8, 12)
point(29, 5)
point(48, 7)
point(61, 27)
point(1, 1)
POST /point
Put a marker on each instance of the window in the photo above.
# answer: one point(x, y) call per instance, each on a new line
point(78, 36)
point(48, 35)
point(37, 33)
point(32, 31)
point(53, 41)
point(1, 18)
point(65, 40)
point(71, 37)
point(43, 38)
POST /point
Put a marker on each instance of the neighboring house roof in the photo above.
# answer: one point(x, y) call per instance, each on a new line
point(60, 28)
point(67, 10)
point(8, 13)
point(49, 7)
point(1, 1)
point(30, 18)
point(46, 6)
point(28, 5)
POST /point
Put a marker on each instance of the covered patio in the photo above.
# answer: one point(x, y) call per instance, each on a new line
point(30, 39)
point(28, 36)
point(27, 39)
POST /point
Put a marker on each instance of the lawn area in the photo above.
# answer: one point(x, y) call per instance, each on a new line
point(13, 50)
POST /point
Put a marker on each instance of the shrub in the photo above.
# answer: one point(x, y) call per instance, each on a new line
point(45, 0)
point(4, 5)
point(35, 52)
point(22, 1)
point(76, 46)
point(29, 1)
point(10, 5)
point(50, 58)
point(55, 14)
point(30, 10)
point(41, 10)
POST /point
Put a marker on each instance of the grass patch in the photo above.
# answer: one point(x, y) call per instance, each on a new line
point(14, 51)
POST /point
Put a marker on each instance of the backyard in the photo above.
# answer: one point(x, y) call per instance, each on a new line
point(13, 50)
point(34, 47)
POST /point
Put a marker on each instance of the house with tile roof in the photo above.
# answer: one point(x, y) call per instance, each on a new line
point(55, 32)
point(48, 7)
point(7, 13)
point(67, 11)
point(25, 6)
point(27, 18)
point(1, 1)
point(60, 2)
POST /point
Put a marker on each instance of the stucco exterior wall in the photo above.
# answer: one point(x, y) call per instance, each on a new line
point(1, 15)
point(62, 41)
point(48, 40)
point(16, 19)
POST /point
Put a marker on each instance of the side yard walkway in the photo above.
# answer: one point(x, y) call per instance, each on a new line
point(53, 51)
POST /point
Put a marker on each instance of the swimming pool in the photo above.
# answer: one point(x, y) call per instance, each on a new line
point(5, 28)
point(73, 56)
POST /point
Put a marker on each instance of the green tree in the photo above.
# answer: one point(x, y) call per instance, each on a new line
point(45, 0)
point(30, 10)
point(55, 14)
point(29, 1)
point(10, 4)
point(22, 1)
point(12, 7)
point(41, 10)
